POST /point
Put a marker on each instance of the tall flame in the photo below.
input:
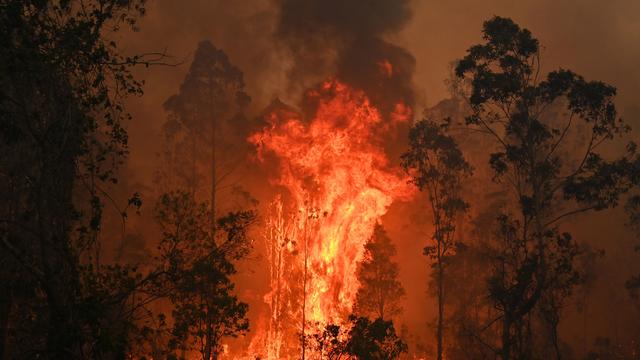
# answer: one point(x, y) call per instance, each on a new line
point(339, 183)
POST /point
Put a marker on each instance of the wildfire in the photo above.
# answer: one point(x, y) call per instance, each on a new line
point(339, 183)
point(386, 68)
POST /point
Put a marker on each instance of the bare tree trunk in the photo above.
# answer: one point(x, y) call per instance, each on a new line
point(553, 319)
point(194, 164)
point(213, 178)
point(584, 323)
point(556, 344)
point(506, 337)
point(440, 302)
point(213, 159)
point(214, 350)
point(208, 341)
point(304, 286)
point(5, 310)
point(61, 280)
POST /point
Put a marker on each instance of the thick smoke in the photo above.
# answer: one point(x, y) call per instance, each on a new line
point(346, 39)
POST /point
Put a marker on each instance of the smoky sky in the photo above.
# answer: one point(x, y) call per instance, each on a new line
point(346, 39)
point(286, 46)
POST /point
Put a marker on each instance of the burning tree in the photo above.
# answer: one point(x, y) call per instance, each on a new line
point(337, 178)
point(285, 282)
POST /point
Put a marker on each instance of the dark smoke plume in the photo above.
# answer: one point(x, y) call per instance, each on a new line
point(346, 39)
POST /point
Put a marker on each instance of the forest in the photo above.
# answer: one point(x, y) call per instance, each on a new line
point(319, 179)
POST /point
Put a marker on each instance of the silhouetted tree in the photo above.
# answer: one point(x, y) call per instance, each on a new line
point(534, 263)
point(207, 112)
point(375, 340)
point(438, 167)
point(380, 291)
point(329, 342)
point(468, 310)
point(198, 270)
point(361, 338)
point(62, 85)
point(633, 210)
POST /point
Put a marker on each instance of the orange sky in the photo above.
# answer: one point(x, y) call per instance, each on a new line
point(597, 39)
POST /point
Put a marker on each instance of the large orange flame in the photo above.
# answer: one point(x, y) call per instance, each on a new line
point(339, 182)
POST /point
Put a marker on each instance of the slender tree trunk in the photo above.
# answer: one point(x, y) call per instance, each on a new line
point(304, 286)
point(214, 351)
point(506, 337)
point(208, 340)
point(59, 264)
point(440, 300)
point(194, 164)
point(554, 336)
point(5, 310)
point(213, 178)
point(584, 323)
point(62, 337)
point(277, 307)
point(213, 158)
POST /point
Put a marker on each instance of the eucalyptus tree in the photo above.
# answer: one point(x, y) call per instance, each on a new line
point(201, 133)
point(547, 131)
point(196, 272)
point(438, 167)
point(63, 80)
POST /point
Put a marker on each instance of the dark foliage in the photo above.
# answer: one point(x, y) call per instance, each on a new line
point(380, 291)
point(62, 84)
point(534, 261)
point(437, 166)
point(360, 339)
point(196, 271)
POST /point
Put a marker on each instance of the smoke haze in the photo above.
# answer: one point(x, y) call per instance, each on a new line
point(286, 46)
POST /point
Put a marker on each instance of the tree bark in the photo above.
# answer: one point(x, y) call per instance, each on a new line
point(5, 310)
point(304, 285)
point(506, 337)
point(440, 303)
point(208, 340)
